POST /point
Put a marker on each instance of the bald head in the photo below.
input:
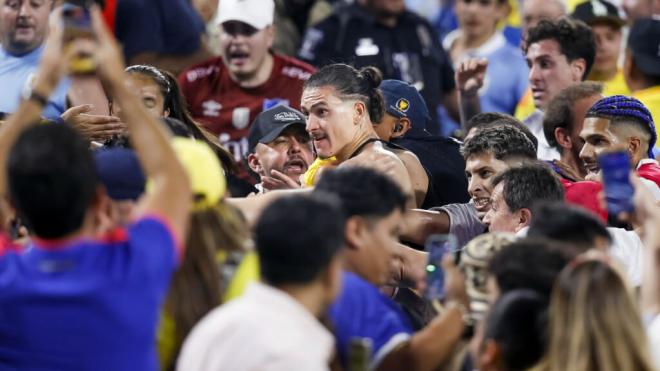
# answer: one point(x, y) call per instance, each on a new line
point(535, 10)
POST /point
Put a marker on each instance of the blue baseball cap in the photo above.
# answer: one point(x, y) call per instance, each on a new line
point(120, 172)
point(403, 100)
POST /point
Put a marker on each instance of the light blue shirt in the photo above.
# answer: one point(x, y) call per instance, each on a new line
point(16, 72)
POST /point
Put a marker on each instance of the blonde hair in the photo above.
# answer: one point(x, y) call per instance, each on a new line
point(594, 322)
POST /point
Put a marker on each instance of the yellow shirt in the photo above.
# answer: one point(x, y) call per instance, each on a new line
point(651, 99)
point(616, 86)
point(309, 178)
point(526, 106)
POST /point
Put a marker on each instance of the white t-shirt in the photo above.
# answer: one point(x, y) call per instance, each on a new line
point(627, 247)
point(265, 329)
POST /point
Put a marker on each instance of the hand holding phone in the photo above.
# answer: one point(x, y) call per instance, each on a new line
point(77, 24)
point(437, 246)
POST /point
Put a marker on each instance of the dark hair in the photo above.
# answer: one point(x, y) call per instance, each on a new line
point(175, 103)
point(352, 84)
point(52, 179)
point(507, 120)
point(502, 142)
point(559, 113)
point(575, 39)
point(526, 185)
point(483, 118)
point(518, 322)
point(530, 263)
point(623, 110)
point(568, 224)
point(297, 236)
point(363, 192)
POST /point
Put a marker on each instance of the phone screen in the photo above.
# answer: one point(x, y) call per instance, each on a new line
point(437, 246)
point(615, 169)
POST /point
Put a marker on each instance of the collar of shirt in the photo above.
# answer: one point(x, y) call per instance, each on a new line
point(522, 233)
point(646, 161)
point(33, 55)
point(365, 15)
point(489, 47)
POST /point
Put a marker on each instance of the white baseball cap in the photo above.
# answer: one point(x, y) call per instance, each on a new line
point(256, 13)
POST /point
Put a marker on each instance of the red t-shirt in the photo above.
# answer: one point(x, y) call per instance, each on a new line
point(585, 194)
point(227, 110)
point(649, 169)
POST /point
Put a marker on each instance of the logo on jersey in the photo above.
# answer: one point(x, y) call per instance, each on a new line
point(240, 117)
point(366, 47)
point(270, 103)
point(211, 108)
point(402, 105)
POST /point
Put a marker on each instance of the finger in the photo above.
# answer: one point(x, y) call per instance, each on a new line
point(271, 183)
point(98, 25)
point(103, 120)
point(77, 110)
point(284, 178)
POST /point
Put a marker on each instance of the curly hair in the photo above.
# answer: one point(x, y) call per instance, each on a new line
point(575, 39)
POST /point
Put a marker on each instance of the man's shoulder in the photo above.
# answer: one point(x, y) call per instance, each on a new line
point(202, 71)
point(294, 68)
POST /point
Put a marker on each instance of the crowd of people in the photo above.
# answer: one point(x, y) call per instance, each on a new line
point(263, 185)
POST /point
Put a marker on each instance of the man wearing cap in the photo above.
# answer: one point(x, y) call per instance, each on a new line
point(226, 93)
point(403, 124)
point(642, 65)
point(606, 24)
point(280, 148)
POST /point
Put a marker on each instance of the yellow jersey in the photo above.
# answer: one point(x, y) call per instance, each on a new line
point(651, 99)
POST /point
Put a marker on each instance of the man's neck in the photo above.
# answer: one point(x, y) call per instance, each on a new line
point(260, 77)
point(355, 144)
point(474, 41)
point(603, 76)
point(573, 162)
point(19, 51)
point(309, 296)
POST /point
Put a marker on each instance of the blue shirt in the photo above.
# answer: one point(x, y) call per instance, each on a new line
point(15, 74)
point(361, 311)
point(86, 305)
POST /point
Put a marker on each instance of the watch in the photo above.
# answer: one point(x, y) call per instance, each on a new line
point(30, 94)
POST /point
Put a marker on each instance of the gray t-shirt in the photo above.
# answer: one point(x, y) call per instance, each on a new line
point(464, 223)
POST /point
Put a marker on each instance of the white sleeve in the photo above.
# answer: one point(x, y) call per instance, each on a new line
point(627, 247)
point(464, 223)
point(652, 187)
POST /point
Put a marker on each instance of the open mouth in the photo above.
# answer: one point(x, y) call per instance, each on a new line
point(238, 57)
point(318, 138)
point(297, 166)
point(538, 93)
point(481, 203)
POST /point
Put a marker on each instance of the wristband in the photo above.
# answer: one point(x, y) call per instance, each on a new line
point(33, 95)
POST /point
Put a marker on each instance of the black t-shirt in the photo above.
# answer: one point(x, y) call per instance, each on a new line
point(410, 51)
point(442, 159)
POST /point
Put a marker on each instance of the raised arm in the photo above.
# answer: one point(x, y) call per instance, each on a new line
point(169, 195)
point(469, 78)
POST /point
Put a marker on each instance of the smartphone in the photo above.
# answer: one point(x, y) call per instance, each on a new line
point(437, 246)
point(77, 23)
point(615, 170)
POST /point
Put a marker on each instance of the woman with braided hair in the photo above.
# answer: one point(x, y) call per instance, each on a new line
point(621, 121)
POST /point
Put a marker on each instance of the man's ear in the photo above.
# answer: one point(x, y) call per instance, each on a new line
point(401, 128)
point(355, 228)
point(255, 164)
point(578, 67)
point(634, 145)
point(524, 218)
point(359, 112)
point(563, 139)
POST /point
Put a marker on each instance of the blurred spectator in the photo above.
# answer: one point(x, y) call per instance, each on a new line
point(559, 54)
point(638, 9)
point(514, 193)
point(562, 125)
point(404, 124)
point(513, 336)
point(534, 11)
point(163, 33)
point(279, 317)
point(478, 37)
point(71, 273)
point(589, 300)
point(226, 93)
point(621, 121)
point(642, 65)
point(606, 24)
point(280, 149)
point(383, 34)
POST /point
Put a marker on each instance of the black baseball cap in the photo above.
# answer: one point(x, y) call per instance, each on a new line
point(598, 11)
point(644, 43)
point(270, 124)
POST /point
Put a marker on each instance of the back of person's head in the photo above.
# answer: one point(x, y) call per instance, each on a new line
point(529, 184)
point(559, 113)
point(502, 142)
point(575, 39)
point(569, 224)
point(484, 118)
point(530, 263)
point(517, 324)
point(628, 113)
point(594, 322)
point(298, 236)
point(362, 191)
point(52, 179)
point(504, 120)
point(350, 83)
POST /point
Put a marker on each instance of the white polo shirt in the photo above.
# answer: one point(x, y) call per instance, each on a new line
point(265, 329)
